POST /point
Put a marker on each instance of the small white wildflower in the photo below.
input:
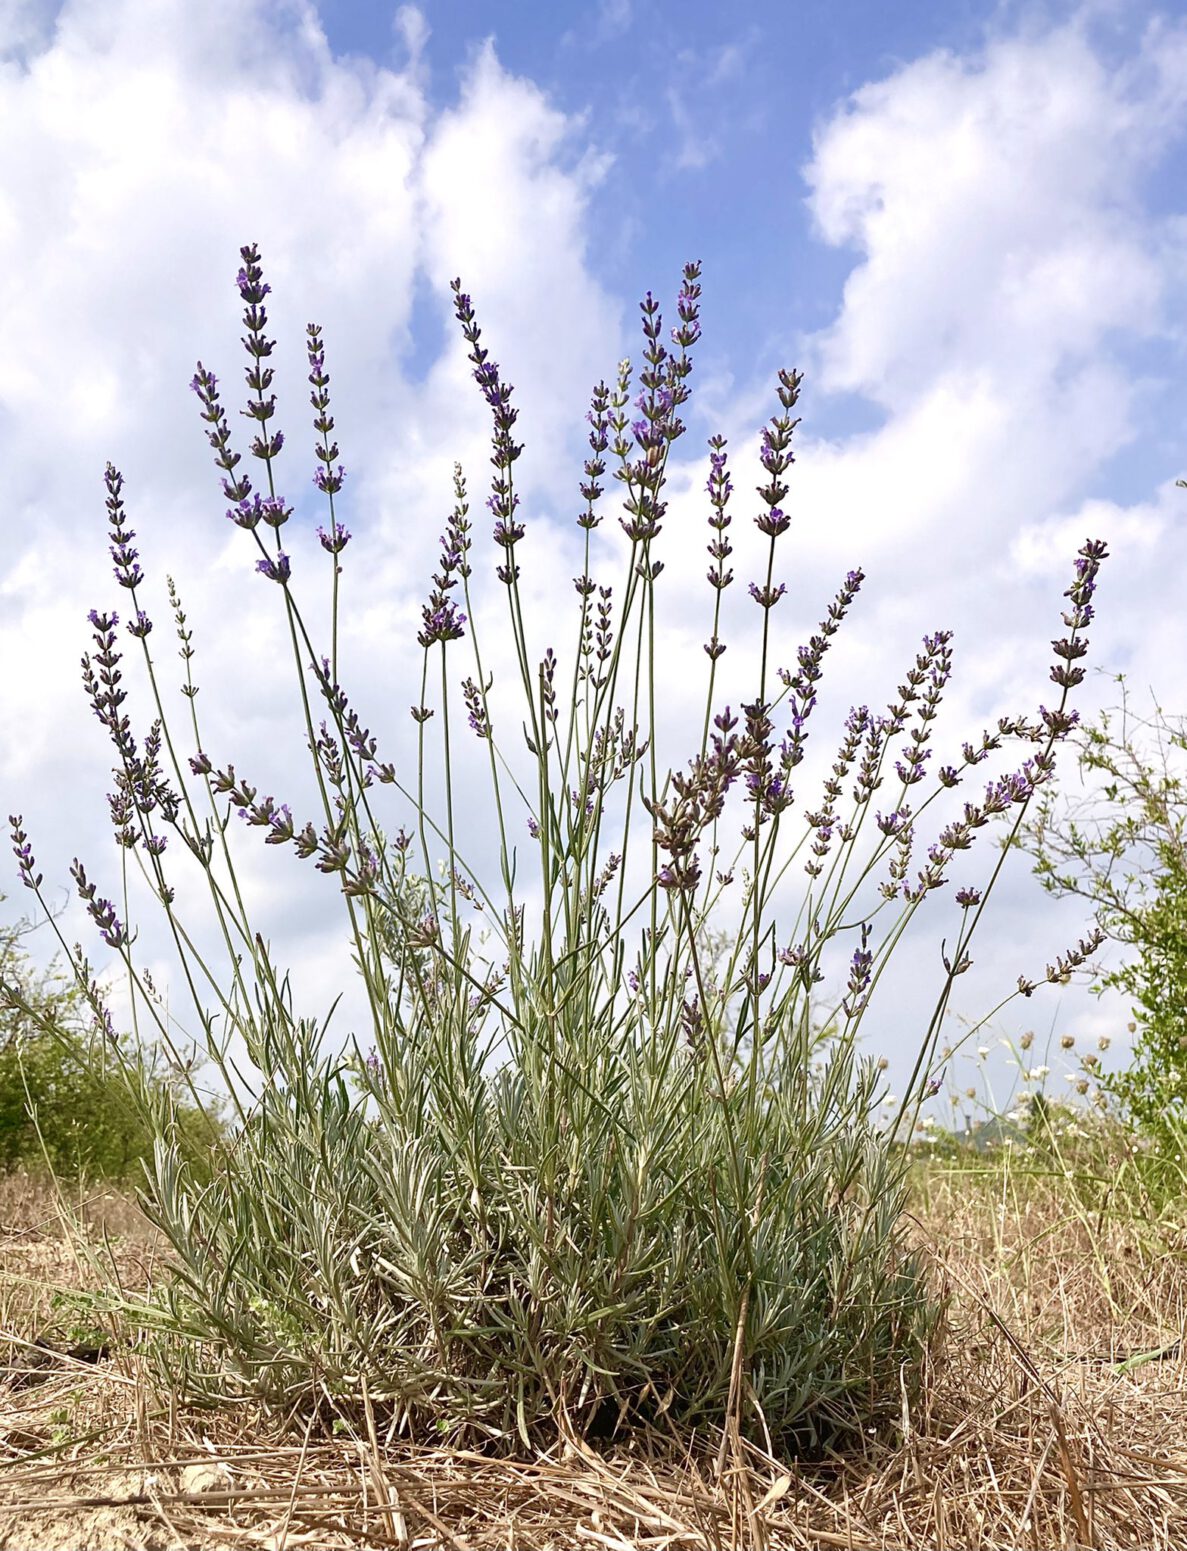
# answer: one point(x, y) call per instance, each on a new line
point(1103, 1042)
point(1037, 1073)
point(889, 1101)
point(982, 1051)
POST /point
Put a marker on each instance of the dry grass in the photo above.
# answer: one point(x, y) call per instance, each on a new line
point(1032, 1433)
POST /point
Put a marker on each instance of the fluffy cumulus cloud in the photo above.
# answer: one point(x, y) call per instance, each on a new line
point(146, 141)
point(1008, 265)
point(993, 200)
point(1006, 261)
point(1004, 254)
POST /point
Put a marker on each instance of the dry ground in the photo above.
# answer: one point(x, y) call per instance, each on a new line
point(1047, 1423)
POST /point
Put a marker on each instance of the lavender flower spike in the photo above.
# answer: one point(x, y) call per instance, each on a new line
point(442, 619)
point(127, 572)
point(24, 853)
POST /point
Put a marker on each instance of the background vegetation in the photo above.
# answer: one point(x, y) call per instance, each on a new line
point(74, 1104)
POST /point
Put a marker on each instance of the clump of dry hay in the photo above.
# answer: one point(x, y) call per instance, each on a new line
point(1046, 1421)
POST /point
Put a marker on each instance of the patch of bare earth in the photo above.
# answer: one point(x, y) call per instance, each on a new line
point(1054, 1415)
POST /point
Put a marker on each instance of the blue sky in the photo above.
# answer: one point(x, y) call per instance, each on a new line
point(708, 114)
point(964, 222)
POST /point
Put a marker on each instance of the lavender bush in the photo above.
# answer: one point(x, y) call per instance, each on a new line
point(609, 1173)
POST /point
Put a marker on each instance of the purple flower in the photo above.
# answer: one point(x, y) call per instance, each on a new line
point(598, 416)
point(127, 572)
point(688, 309)
point(328, 482)
point(205, 385)
point(23, 852)
point(967, 898)
point(442, 619)
point(443, 623)
point(476, 714)
point(274, 512)
point(910, 767)
point(258, 376)
point(1058, 722)
point(777, 458)
point(248, 278)
point(101, 911)
point(267, 446)
point(336, 541)
point(278, 570)
point(1080, 592)
point(505, 449)
point(325, 479)
point(679, 876)
point(103, 687)
point(860, 970)
point(773, 523)
point(507, 534)
point(270, 509)
point(767, 597)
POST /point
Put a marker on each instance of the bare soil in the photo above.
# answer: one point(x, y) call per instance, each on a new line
point(1055, 1415)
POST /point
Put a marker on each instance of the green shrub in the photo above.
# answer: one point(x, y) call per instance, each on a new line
point(66, 1101)
point(606, 1172)
point(1124, 849)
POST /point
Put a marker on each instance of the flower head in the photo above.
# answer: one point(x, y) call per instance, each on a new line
point(277, 569)
point(442, 619)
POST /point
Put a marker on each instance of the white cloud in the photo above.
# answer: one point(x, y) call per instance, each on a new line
point(994, 204)
point(146, 141)
point(1006, 257)
point(1007, 261)
point(694, 101)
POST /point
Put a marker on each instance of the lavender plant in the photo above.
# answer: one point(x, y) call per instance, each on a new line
point(601, 1171)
